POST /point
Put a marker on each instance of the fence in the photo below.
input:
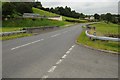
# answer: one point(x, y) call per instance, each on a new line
point(11, 33)
point(28, 30)
point(101, 37)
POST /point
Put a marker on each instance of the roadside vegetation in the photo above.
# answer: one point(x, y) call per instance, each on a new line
point(15, 36)
point(11, 25)
point(102, 29)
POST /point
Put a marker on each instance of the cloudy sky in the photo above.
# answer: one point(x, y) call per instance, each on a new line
point(85, 6)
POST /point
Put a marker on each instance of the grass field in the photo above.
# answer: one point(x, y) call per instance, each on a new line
point(103, 29)
point(42, 13)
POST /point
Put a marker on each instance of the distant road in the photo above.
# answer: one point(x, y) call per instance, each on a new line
point(55, 55)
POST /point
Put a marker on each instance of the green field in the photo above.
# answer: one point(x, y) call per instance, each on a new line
point(42, 13)
point(103, 29)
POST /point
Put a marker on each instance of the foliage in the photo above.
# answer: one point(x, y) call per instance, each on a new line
point(97, 16)
point(62, 11)
point(9, 9)
point(37, 5)
point(46, 13)
point(110, 18)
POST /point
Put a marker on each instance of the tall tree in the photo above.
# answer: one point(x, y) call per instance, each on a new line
point(97, 16)
point(37, 5)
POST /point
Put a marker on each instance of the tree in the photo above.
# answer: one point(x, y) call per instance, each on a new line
point(97, 16)
point(108, 17)
point(7, 9)
point(13, 9)
point(37, 5)
point(102, 17)
point(82, 15)
point(24, 7)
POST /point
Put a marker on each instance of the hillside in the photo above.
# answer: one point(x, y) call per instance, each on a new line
point(42, 12)
point(46, 13)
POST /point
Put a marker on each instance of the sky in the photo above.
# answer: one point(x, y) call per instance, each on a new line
point(88, 7)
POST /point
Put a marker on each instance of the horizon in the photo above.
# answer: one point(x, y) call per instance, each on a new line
point(88, 8)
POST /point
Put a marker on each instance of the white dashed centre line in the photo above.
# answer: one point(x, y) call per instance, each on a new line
point(27, 44)
point(52, 69)
point(64, 56)
point(55, 35)
point(58, 62)
point(67, 52)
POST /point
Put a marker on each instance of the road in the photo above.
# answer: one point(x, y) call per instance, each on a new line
point(55, 55)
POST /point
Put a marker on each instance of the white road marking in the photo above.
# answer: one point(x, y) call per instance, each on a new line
point(52, 69)
point(59, 61)
point(73, 46)
point(55, 35)
point(27, 44)
point(70, 49)
point(64, 56)
point(67, 52)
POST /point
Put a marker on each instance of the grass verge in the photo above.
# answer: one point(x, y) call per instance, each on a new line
point(98, 44)
point(15, 36)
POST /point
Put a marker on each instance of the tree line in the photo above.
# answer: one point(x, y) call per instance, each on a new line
point(15, 9)
point(108, 17)
point(66, 11)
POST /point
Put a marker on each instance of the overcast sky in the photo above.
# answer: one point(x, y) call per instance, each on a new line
point(85, 6)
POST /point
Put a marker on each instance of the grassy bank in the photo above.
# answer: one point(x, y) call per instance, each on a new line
point(46, 13)
point(13, 25)
point(102, 29)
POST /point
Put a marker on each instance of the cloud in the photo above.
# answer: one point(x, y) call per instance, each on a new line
point(86, 6)
point(78, 0)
